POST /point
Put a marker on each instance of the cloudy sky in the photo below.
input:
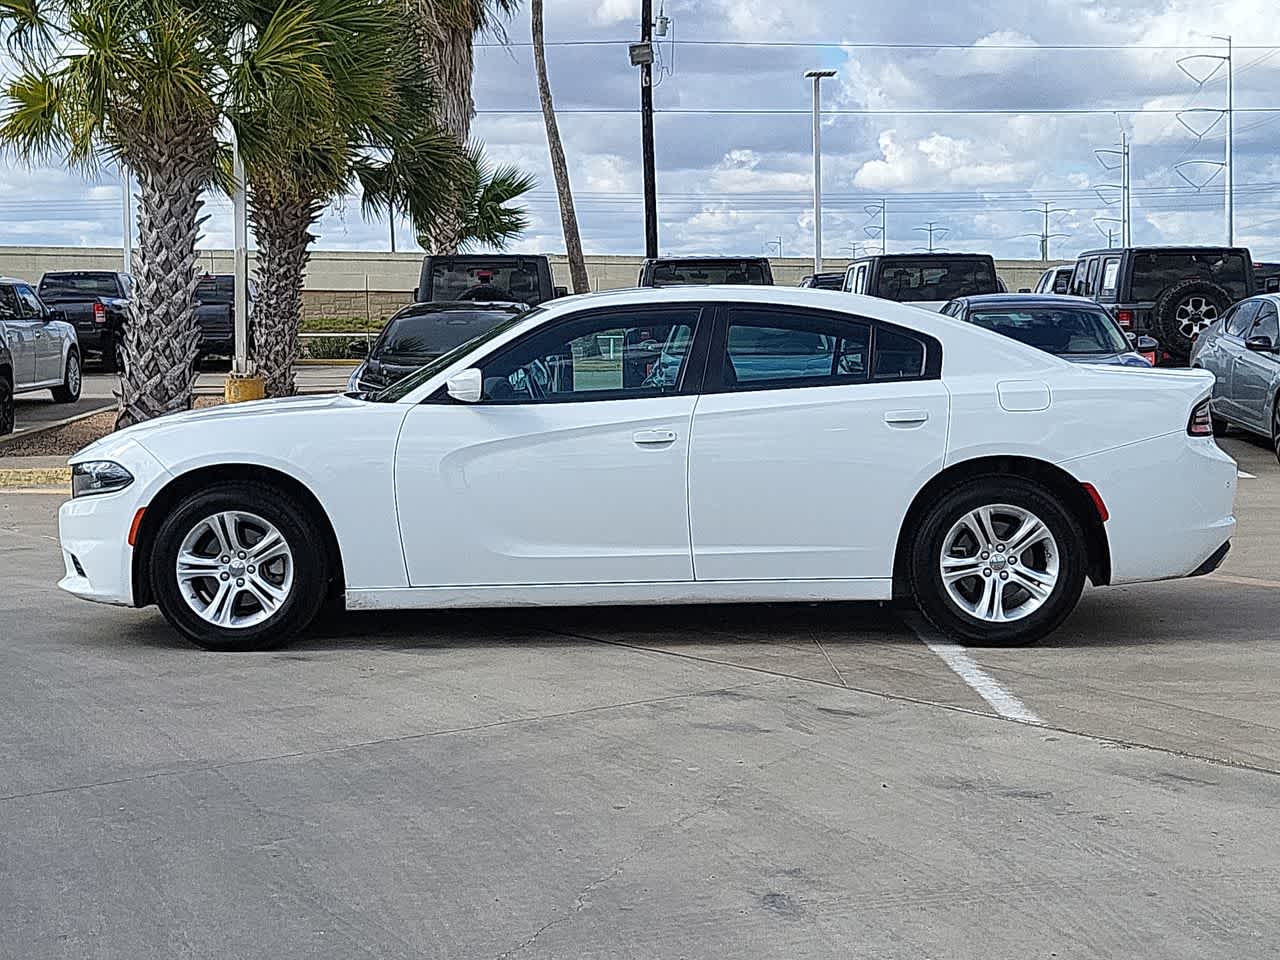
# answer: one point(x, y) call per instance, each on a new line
point(935, 129)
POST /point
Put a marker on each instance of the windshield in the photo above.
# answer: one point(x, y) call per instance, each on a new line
point(435, 332)
point(678, 273)
point(1153, 273)
point(462, 281)
point(914, 281)
point(54, 285)
point(1055, 330)
point(402, 388)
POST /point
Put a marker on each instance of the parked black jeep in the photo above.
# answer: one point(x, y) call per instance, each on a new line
point(1170, 293)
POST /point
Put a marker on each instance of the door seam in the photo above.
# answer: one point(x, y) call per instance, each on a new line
point(688, 488)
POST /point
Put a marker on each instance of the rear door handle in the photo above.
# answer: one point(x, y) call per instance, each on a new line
point(654, 436)
point(906, 418)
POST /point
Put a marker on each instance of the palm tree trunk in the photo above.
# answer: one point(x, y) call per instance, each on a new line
point(559, 168)
point(282, 229)
point(161, 338)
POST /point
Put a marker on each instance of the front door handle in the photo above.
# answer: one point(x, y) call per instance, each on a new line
point(906, 418)
point(654, 436)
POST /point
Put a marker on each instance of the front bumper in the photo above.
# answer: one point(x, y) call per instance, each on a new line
point(94, 531)
point(1171, 501)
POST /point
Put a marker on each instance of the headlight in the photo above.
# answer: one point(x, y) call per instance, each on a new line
point(98, 476)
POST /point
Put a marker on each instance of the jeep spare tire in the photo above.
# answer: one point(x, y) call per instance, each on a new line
point(1184, 310)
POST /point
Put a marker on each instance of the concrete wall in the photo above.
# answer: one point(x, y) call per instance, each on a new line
point(370, 284)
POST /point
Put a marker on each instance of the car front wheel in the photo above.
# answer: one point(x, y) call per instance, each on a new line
point(998, 560)
point(238, 566)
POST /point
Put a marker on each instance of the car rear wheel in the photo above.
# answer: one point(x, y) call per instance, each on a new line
point(6, 403)
point(72, 380)
point(238, 566)
point(1275, 427)
point(998, 560)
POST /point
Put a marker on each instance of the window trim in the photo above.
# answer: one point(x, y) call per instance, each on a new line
point(691, 376)
point(713, 375)
point(1236, 309)
point(1257, 321)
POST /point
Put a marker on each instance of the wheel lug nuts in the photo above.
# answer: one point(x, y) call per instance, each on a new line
point(251, 569)
point(225, 576)
point(985, 555)
point(986, 571)
point(226, 559)
point(239, 582)
point(242, 553)
point(1012, 561)
point(999, 546)
point(1004, 575)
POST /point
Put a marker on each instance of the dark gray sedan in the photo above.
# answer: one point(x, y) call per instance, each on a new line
point(1242, 350)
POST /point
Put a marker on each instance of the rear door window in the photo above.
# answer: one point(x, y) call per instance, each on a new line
point(1110, 276)
point(785, 348)
point(860, 279)
point(1155, 271)
point(1091, 278)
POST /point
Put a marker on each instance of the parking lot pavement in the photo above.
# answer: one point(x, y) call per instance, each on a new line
point(792, 781)
point(37, 409)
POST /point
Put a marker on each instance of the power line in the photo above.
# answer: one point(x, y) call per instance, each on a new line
point(885, 45)
point(901, 112)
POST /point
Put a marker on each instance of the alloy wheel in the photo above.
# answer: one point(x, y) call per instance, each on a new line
point(73, 375)
point(235, 569)
point(999, 563)
point(1194, 314)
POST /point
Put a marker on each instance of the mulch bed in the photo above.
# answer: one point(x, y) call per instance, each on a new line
point(66, 440)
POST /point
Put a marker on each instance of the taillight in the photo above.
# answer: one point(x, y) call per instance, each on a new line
point(1124, 318)
point(99, 313)
point(1150, 358)
point(1201, 422)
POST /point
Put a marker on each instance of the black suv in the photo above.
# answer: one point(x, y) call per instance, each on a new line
point(926, 280)
point(1170, 293)
point(685, 271)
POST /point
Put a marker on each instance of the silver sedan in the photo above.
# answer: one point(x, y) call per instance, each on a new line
point(1242, 350)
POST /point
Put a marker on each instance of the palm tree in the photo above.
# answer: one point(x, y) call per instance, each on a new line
point(447, 29)
point(373, 121)
point(146, 84)
point(487, 217)
point(559, 168)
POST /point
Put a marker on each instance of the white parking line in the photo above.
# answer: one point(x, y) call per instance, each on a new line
point(982, 683)
point(1245, 476)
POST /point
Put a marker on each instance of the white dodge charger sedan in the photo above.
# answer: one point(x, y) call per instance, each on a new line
point(681, 445)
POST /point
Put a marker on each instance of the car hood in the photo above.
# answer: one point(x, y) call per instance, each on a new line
point(247, 412)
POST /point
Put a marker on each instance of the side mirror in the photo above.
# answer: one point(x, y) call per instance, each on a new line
point(1146, 344)
point(1273, 285)
point(357, 348)
point(558, 292)
point(467, 386)
point(1262, 344)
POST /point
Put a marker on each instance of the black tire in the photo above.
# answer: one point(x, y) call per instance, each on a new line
point(113, 356)
point(1205, 303)
point(72, 381)
point(927, 551)
point(301, 533)
point(7, 413)
point(1275, 426)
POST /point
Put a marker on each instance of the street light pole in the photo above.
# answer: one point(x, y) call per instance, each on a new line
point(126, 246)
point(817, 76)
point(241, 384)
point(646, 132)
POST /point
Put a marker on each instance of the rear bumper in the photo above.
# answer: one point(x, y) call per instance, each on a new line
point(94, 340)
point(1171, 501)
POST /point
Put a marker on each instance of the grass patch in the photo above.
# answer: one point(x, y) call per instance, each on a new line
point(341, 325)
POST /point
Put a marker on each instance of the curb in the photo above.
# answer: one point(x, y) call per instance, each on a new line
point(44, 428)
point(34, 477)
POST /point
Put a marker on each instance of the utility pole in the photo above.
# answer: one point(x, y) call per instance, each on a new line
point(391, 219)
point(931, 228)
point(642, 56)
point(817, 76)
point(241, 384)
point(1230, 149)
point(1044, 235)
point(126, 246)
point(1125, 185)
point(875, 210)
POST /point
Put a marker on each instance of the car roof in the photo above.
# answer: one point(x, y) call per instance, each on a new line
point(1167, 248)
point(700, 259)
point(1028, 300)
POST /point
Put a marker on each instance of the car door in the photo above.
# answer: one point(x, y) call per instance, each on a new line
point(573, 466)
point(48, 340)
point(1228, 348)
point(1255, 371)
point(814, 432)
point(20, 333)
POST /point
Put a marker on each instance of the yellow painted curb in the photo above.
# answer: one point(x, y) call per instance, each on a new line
point(33, 477)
